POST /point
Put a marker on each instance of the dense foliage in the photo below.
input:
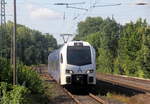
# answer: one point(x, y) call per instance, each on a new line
point(13, 94)
point(26, 76)
point(121, 49)
point(33, 47)
point(28, 82)
point(30, 79)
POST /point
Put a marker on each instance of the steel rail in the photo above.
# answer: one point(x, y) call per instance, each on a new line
point(128, 78)
point(97, 99)
point(73, 97)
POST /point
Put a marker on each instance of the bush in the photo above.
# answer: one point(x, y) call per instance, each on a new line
point(26, 76)
point(30, 79)
point(5, 71)
point(13, 94)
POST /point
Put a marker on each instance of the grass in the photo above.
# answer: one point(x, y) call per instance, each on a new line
point(49, 90)
point(118, 97)
point(46, 97)
point(38, 99)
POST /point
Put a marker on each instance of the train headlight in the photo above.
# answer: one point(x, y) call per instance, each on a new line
point(69, 71)
point(90, 71)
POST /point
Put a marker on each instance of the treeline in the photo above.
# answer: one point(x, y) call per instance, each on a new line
point(121, 49)
point(33, 47)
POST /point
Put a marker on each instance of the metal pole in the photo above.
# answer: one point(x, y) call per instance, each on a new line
point(3, 17)
point(2, 27)
point(14, 47)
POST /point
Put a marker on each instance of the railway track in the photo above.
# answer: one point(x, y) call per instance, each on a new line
point(85, 99)
point(125, 81)
point(78, 99)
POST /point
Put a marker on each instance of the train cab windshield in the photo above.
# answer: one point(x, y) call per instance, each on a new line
point(78, 55)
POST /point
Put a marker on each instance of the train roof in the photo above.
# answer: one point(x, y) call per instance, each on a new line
point(72, 43)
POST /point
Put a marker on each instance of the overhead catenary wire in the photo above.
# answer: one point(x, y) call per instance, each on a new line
point(77, 8)
point(106, 5)
point(73, 7)
point(69, 3)
point(94, 5)
point(89, 10)
point(80, 16)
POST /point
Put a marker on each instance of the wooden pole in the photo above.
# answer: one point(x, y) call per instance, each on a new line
point(14, 47)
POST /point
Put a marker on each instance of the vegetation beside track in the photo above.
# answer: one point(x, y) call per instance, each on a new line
point(136, 99)
point(121, 49)
point(29, 87)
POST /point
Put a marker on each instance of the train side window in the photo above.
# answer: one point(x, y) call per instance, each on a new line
point(61, 58)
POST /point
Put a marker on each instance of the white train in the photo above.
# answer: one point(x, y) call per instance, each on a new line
point(73, 63)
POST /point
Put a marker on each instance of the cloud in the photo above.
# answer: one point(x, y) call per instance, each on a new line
point(42, 13)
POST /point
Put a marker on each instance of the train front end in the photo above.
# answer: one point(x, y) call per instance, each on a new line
point(80, 68)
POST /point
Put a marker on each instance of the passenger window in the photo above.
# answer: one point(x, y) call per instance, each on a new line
point(61, 59)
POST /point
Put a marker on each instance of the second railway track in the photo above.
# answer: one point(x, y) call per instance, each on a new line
point(125, 81)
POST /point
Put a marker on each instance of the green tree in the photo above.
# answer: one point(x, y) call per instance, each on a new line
point(120, 49)
point(33, 47)
point(105, 41)
point(130, 49)
point(89, 26)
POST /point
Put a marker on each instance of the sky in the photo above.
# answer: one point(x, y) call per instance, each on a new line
point(46, 17)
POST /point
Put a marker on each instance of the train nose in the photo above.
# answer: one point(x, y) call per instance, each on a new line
point(79, 79)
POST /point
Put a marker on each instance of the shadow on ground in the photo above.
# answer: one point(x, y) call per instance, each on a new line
point(102, 88)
